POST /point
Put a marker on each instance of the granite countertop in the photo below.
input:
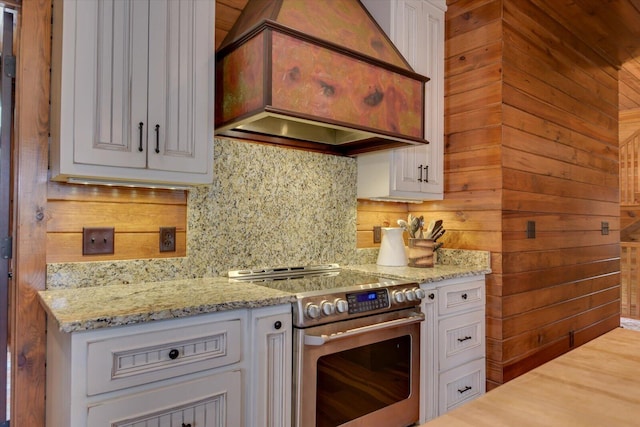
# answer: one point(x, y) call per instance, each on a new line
point(79, 309)
point(115, 305)
point(422, 275)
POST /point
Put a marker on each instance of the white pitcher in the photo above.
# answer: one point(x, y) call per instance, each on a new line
point(392, 252)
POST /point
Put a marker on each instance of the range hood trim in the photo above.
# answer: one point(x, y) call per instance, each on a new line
point(270, 25)
point(244, 125)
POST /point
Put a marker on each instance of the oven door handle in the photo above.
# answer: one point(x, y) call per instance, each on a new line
point(323, 339)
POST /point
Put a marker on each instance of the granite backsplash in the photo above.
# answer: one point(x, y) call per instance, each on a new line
point(267, 206)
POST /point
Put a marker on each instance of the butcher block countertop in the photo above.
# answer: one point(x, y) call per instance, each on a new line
point(596, 384)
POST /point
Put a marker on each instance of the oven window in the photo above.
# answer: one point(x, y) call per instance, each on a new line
point(361, 380)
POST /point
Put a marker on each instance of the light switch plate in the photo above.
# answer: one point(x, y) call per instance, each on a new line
point(97, 240)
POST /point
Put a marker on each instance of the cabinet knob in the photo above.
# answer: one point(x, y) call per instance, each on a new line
point(173, 354)
point(432, 295)
point(464, 296)
point(278, 324)
point(186, 425)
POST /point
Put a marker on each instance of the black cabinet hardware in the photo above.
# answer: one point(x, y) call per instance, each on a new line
point(157, 138)
point(464, 339)
point(462, 390)
point(173, 354)
point(278, 324)
point(140, 127)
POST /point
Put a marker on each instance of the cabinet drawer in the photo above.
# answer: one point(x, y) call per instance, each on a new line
point(133, 359)
point(460, 297)
point(212, 401)
point(461, 339)
point(461, 384)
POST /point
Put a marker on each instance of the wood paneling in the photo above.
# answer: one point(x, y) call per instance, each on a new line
point(568, 172)
point(371, 214)
point(227, 12)
point(629, 123)
point(28, 320)
point(531, 135)
point(135, 214)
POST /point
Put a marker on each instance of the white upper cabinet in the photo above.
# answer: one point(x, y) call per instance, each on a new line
point(416, 173)
point(132, 90)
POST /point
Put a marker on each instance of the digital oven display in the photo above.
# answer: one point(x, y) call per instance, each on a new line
point(360, 302)
point(369, 296)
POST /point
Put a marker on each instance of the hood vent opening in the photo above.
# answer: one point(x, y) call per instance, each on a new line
point(316, 75)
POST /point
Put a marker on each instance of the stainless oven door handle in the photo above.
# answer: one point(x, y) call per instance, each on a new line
point(322, 339)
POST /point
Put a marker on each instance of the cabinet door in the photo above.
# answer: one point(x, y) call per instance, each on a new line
point(272, 368)
point(213, 401)
point(461, 385)
point(181, 49)
point(418, 31)
point(107, 57)
point(461, 339)
point(411, 168)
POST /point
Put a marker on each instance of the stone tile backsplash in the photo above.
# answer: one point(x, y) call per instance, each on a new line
point(267, 206)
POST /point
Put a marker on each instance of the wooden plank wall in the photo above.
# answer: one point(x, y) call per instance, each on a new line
point(371, 214)
point(471, 210)
point(531, 135)
point(560, 166)
point(629, 123)
point(136, 215)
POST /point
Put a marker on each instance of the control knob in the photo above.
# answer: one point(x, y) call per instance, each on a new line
point(399, 296)
point(410, 294)
point(341, 305)
point(312, 310)
point(327, 308)
point(420, 294)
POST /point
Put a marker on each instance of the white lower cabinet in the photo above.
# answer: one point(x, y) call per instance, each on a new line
point(453, 344)
point(230, 368)
point(461, 384)
point(211, 401)
point(270, 380)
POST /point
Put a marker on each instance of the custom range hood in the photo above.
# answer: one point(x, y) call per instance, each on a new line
point(319, 75)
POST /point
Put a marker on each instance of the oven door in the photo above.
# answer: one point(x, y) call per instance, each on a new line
point(360, 372)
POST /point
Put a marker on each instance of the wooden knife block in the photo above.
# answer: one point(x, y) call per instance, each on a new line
point(421, 253)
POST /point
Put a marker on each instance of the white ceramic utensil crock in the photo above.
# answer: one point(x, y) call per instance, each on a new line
point(392, 251)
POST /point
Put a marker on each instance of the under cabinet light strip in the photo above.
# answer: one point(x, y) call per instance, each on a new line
point(130, 184)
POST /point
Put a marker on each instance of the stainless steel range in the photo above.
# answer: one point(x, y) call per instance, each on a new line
point(356, 345)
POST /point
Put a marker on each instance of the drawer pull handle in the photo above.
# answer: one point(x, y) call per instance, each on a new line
point(186, 425)
point(464, 339)
point(464, 296)
point(157, 138)
point(420, 169)
point(278, 324)
point(140, 126)
point(464, 390)
point(173, 354)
